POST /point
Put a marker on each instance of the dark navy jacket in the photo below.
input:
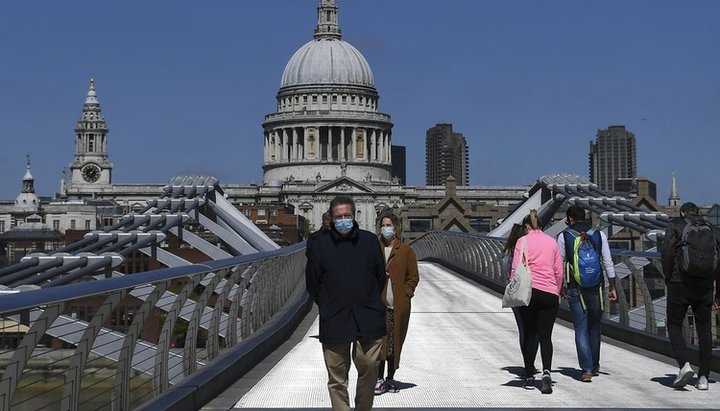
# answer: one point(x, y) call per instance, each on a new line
point(345, 277)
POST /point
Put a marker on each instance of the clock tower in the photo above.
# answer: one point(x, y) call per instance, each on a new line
point(90, 170)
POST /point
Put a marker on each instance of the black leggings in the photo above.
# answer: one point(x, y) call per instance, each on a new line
point(391, 368)
point(538, 320)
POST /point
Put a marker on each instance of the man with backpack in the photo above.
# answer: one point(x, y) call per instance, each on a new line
point(586, 254)
point(690, 256)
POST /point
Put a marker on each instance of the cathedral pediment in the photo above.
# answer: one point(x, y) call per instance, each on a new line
point(344, 185)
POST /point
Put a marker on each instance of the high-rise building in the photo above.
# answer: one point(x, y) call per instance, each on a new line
point(446, 154)
point(397, 153)
point(613, 155)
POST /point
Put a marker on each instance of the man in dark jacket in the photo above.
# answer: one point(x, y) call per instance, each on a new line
point(345, 275)
point(686, 289)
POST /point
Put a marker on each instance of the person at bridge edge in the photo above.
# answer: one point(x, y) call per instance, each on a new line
point(586, 299)
point(517, 231)
point(324, 229)
point(690, 277)
point(402, 278)
point(542, 257)
point(345, 274)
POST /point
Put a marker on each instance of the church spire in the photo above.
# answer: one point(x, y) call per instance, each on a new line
point(674, 199)
point(328, 27)
point(91, 128)
point(27, 201)
point(28, 179)
point(91, 96)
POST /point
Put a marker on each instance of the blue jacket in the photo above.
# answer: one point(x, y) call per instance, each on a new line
point(345, 277)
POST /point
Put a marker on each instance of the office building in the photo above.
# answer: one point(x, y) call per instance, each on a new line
point(446, 154)
point(613, 156)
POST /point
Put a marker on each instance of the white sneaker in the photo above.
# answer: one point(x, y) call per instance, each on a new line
point(702, 383)
point(685, 374)
point(380, 386)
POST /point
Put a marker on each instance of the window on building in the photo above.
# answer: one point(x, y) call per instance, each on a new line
point(273, 212)
point(324, 99)
point(261, 212)
point(420, 225)
point(2, 226)
point(56, 225)
point(481, 224)
point(72, 224)
point(314, 99)
point(87, 224)
point(246, 212)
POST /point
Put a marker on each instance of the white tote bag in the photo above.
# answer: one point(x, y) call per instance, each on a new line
point(519, 290)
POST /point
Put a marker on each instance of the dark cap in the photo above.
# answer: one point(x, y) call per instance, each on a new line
point(689, 208)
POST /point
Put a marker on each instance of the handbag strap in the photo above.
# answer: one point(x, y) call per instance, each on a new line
point(523, 251)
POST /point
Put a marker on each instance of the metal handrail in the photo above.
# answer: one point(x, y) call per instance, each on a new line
point(639, 312)
point(129, 340)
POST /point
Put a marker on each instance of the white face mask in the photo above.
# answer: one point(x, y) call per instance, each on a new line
point(387, 232)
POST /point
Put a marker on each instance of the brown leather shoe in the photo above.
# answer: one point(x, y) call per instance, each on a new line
point(586, 377)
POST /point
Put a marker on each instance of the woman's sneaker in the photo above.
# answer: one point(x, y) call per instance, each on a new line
point(684, 375)
point(529, 383)
point(380, 387)
point(702, 383)
point(546, 383)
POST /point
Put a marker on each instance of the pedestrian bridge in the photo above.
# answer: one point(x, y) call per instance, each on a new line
point(78, 334)
point(462, 352)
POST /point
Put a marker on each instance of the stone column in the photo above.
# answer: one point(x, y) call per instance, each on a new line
point(384, 146)
point(373, 147)
point(294, 144)
point(381, 147)
point(305, 143)
point(353, 145)
point(278, 146)
point(286, 143)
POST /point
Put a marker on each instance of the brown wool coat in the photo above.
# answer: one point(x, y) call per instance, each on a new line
point(403, 270)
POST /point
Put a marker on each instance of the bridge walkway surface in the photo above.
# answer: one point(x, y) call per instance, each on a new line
point(462, 352)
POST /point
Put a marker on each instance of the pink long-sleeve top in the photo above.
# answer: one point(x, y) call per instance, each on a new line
point(544, 261)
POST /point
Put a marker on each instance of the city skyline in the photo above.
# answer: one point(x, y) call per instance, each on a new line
point(522, 80)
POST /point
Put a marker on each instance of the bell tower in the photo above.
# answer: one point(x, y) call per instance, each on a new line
point(90, 170)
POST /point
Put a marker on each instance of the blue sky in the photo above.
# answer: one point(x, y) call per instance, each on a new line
point(184, 85)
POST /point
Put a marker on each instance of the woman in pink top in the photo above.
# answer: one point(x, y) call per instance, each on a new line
point(542, 257)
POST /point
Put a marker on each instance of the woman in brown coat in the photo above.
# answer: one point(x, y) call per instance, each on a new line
point(402, 270)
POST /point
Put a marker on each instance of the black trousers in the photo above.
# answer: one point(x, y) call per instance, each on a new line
point(680, 296)
point(538, 319)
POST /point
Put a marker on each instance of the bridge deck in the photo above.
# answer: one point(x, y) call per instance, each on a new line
point(462, 352)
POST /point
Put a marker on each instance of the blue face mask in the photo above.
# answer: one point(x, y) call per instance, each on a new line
point(387, 232)
point(344, 225)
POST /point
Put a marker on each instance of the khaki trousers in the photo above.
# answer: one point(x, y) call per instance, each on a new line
point(365, 355)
